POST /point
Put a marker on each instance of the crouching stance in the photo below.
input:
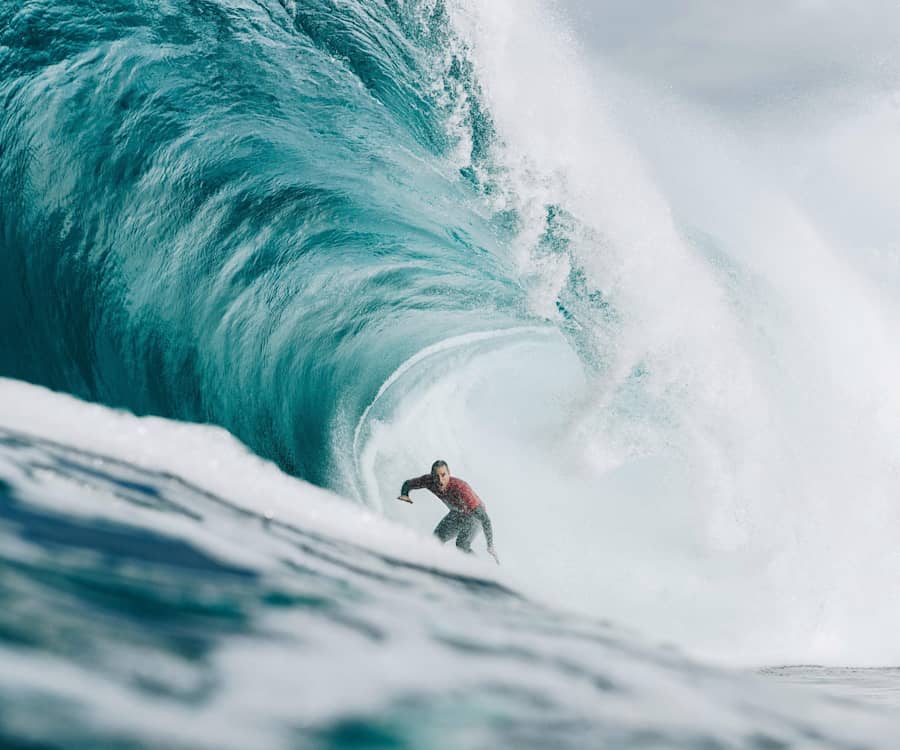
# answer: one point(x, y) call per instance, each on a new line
point(466, 509)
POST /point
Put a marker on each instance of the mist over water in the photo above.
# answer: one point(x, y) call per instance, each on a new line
point(633, 271)
point(720, 468)
point(643, 297)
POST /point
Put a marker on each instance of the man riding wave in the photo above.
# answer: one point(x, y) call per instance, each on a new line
point(466, 508)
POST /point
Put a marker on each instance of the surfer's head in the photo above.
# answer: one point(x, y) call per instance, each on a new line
point(440, 472)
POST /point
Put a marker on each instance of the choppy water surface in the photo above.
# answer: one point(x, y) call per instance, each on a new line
point(634, 273)
point(142, 611)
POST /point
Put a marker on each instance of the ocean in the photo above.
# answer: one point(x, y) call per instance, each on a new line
point(634, 274)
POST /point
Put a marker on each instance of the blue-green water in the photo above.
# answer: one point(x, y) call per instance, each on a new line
point(237, 212)
point(359, 235)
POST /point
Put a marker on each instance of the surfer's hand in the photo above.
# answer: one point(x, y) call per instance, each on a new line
point(493, 553)
point(405, 499)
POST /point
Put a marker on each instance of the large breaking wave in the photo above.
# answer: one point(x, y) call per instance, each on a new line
point(361, 235)
point(236, 212)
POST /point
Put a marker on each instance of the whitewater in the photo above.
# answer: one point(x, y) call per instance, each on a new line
point(632, 274)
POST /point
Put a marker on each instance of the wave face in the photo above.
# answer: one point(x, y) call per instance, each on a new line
point(363, 235)
point(238, 213)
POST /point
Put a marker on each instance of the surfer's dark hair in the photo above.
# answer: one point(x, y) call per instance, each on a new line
point(437, 465)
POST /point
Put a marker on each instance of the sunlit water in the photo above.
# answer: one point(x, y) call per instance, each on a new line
point(642, 299)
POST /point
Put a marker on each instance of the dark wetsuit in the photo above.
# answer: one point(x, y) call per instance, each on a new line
point(466, 510)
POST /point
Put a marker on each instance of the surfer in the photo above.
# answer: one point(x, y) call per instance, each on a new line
point(466, 508)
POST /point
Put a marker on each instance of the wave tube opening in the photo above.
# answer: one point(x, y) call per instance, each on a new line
point(717, 465)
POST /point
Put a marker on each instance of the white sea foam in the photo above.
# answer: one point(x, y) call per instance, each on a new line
point(213, 460)
point(727, 479)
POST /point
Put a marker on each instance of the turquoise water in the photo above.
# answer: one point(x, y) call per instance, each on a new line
point(330, 241)
point(204, 201)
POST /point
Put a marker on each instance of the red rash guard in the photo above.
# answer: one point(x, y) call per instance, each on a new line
point(458, 496)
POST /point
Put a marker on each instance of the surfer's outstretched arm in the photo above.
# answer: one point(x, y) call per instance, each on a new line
point(416, 483)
